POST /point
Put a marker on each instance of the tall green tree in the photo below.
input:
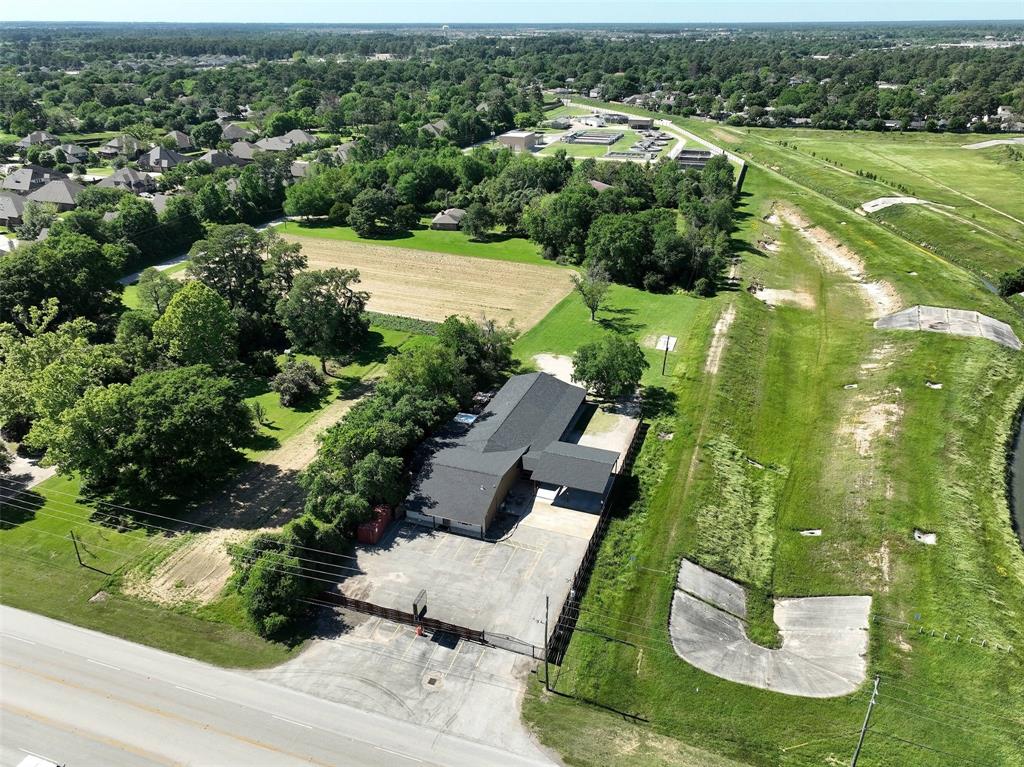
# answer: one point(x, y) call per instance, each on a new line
point(323, 314)
point(611, 367)
point(156, 289)
point(592, 286)
point(197, 328)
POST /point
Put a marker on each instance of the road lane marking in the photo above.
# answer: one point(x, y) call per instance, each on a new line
point(194, 692)
point(19, 639)
point(397, 753)
point(292, 721)
point(101, 663)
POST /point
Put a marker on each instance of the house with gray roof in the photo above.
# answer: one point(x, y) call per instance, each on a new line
point(63, 193)
point(29, 178)
point(12, 206)
point(181, 140)
point(37, 138)
point(448, 220)
point(283, 143)
point(124, 146)
point(521, 434)
point(436, 128)
point(343, 151)
point(244, 150)
point(159, 159)
point(130, 180)
point(232, 132)
point(73, 153)
point(219, 159)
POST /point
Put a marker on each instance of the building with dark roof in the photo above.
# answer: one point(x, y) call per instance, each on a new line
point(159, 159)
point(63, 193)
point(244, 150)
point(694, 158)
point(181, 140)
point(232, 132)
point(124, 145)
point(129, 179)
point(12, 206)
point(37, 138)
point(73, 153)
point(219, 159)
point(449, 219)
point(30, 177)
point(521, 434)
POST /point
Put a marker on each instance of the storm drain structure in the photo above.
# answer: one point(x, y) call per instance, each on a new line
point(600, 138)
point(955, 322)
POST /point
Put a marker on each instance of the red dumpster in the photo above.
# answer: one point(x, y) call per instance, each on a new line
point(370, 532)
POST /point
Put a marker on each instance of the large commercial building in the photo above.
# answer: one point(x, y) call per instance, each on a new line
point(521, 434)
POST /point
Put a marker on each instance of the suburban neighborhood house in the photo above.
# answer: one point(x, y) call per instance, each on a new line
point(521, 434)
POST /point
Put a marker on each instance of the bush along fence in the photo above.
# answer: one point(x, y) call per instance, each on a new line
point(561, 633)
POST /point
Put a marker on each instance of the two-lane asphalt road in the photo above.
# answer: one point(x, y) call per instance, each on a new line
point(82, 698)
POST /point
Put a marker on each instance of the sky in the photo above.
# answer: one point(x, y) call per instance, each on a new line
point(510, 11)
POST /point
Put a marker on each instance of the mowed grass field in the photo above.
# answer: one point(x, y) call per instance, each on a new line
point(982, 223)
point(934, 462)
point(636, 313)
point(432, 286)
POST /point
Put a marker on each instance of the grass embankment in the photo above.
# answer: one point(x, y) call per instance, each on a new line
point(499, 246)
point(39, 570)
point(642, 315)
point(779, 402)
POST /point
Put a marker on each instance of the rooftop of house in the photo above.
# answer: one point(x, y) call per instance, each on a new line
point(61, 192)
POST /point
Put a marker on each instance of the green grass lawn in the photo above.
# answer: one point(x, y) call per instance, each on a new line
point(99, 170)
point(564, 111)
point(588, 150)
point(130, 296)
point(627, 310)
point(500, 247)
point(39, 572)
point(779, 400)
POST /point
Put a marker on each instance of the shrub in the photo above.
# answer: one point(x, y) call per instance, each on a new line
point(298, 381)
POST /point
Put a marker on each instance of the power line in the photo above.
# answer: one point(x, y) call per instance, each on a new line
point(927, 748)
point(903, 687)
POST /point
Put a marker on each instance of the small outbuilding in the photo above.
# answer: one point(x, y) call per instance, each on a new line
point(449, 219)
point(640, 123)
point(519, 140)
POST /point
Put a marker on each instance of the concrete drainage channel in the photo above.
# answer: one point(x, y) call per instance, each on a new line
point(824, 639)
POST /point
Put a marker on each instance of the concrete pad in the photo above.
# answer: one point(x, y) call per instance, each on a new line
point(824, 639)
point(957, 322)
point(712, 588)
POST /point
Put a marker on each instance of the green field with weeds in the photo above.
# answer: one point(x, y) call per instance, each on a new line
point(776, 443)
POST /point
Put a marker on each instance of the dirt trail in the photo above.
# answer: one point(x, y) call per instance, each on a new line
point(719, 339)
point(780, 297)
point(880, 295)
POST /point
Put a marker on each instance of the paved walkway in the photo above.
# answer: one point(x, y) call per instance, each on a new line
point(824, 639)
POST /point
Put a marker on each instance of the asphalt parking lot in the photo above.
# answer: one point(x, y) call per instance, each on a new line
point(497, 586)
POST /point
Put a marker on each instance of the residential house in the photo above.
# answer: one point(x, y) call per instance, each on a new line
point(244, 150)
point(521, 434)
point(181, 140)
point(219, 159)
point(232, 132)
point(436, 128)
point(31, 177)
point(448, 220)
point(343, 151)
point(159, 159)
point(73, 153)
point(124, 146)
point(299, 169)
point(12, 206)
point(37, 138)
point(130, 180)
point(63, 193)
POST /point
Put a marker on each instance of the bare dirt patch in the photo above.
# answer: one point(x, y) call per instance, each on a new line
point(195, 573)
point(558, 365)
point(432, 286)
point(881, 296)
point(719, 337)
point(777, 297)
point(872, 421)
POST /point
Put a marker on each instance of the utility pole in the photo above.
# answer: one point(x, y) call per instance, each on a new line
point(547, 685)
point(74, 542)
point(864, 727)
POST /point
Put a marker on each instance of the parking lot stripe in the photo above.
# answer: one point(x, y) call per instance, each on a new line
point(536, 560)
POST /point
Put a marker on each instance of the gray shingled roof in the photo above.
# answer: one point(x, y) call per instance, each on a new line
point(232, 132)
point(161, 158)
point(524, 421)
point(61, 192)
point(38, 137)
point(449, 216)
point(244, 150)
point(181, 140)
point(29, 177)
point(130, 179)
point(11, 206)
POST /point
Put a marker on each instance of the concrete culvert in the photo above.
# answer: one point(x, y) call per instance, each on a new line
point(929, 539)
